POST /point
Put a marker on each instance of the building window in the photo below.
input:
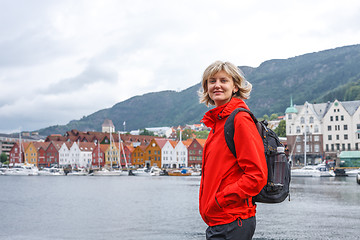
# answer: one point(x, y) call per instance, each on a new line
point(316, 129)
point(316, 148)
point(298, 148)
point(345, 136)
point(331, 118)
point(332, 147)
point(356, 146)
point(337, 137)
point(290, 116)
point(297, 129)
point(343, 146)
point(345, 127)
point(302, 120)
point(327, 147)
point(311, 119)
point(342, 117)
point(316, 138)
point(349, 146)
point(298, 139)
point(329, 128)
point(329, 137)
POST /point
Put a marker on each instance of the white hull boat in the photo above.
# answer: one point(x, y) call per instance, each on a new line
point(51, 172)
point(311, 171)
point(81, 172)
point(22, 171)
point(106, 172)
point(352, 172)
point(155, 171)
point(144, 172)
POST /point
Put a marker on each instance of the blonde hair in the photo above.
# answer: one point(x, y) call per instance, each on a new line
point(236, 74)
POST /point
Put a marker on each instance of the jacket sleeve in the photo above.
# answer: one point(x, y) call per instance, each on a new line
point(250, 158)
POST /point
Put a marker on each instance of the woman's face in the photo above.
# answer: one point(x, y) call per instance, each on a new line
point(221, 88)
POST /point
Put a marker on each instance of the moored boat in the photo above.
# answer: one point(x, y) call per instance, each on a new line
point(183, 172)
point(106, 172)
point(312, 171)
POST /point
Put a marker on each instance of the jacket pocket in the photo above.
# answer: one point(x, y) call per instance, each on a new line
point(214, 212)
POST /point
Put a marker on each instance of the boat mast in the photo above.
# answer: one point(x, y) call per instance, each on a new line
point(98, 153)
point(119, 151)
point(111, 148)
point(19, 146)
point(305, 130)
point(123, 151)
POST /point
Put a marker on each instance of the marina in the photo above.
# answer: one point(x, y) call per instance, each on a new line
point(164, 207)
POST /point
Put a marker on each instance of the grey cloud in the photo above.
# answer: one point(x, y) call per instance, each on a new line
point(91, 74)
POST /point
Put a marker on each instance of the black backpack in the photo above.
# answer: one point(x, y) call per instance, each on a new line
point(273, 192)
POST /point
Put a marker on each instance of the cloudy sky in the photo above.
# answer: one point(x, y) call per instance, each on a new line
point(62, 60)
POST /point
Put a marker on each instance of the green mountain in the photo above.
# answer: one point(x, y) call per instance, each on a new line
point(313, 77)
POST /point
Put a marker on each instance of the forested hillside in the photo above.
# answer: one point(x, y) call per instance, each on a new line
point(313, 77)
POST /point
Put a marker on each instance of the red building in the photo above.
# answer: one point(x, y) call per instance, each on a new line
point(195, 151)
point(125, 155)
point(16, 156)
point(41, 153)
point(98, 155)
point(52, 153)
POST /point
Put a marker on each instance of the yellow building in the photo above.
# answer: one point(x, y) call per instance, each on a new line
point(31, 155)
point(112, 155)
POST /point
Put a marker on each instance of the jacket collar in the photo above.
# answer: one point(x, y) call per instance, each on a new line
point(222, 111)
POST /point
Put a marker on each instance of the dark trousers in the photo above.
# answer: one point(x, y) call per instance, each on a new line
point(237, 230)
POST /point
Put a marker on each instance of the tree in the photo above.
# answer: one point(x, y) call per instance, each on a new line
point(273, 116)
point(3, 157)
point(146, 132)
point(266, 117)
point(186, 134)
point(281, 129)
point(202, 134)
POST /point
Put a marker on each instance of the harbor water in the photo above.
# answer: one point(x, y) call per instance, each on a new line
point(128, 207)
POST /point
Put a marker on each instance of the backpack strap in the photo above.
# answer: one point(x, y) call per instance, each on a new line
point(229, 128)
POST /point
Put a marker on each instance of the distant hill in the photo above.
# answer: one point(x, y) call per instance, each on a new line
point(313, 77)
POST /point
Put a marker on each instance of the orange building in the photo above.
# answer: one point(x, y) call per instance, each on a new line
point(138, 155)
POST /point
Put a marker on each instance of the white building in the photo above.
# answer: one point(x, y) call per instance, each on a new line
point(329, 128)
point(108, 126)
point(85, 157)
point(168, 155)
point(181, 155)
point(64, 154)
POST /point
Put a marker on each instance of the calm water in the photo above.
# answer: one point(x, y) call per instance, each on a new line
point(70, 207)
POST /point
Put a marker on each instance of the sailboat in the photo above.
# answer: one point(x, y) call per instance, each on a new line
point(111, 171)
point(22, 169)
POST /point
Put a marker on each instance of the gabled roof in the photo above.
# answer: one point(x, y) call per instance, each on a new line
point(351, 106)
point(161, 141)
point(187, 142)
point(173, 143)
point(43, 145)
point(201, 141)
point(57, 144)
point(86, 146)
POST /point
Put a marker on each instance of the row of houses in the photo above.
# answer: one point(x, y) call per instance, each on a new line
point(323, 131)
point(97, 149)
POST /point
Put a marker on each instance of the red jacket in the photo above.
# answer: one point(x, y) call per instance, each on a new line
point(228, 183)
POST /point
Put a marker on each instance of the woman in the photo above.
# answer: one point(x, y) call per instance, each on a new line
point(228, 183)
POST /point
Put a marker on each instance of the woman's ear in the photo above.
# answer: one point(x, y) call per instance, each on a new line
point(235, 90)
